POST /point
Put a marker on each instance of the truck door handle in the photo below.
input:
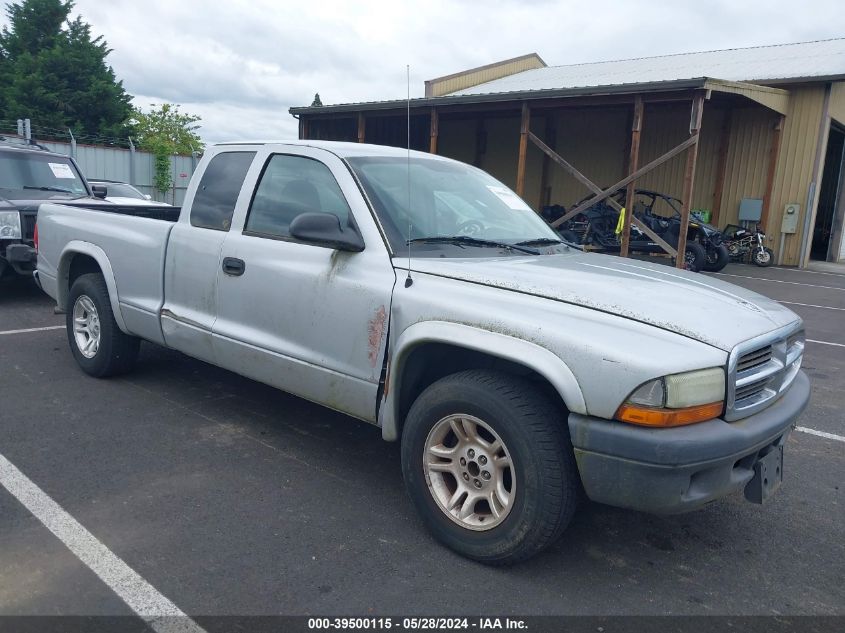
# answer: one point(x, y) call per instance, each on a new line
point(233, 266)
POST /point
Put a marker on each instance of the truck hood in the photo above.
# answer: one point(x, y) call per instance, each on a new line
point(691, 304)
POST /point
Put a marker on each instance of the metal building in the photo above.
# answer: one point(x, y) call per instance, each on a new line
point(763, 124)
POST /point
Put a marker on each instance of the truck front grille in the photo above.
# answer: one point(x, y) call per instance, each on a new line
point(28, 225)
point(761, 369)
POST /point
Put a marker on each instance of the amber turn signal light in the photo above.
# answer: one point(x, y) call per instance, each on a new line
point(646, 416)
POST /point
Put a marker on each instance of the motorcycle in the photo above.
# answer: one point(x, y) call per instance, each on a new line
point(746, 244)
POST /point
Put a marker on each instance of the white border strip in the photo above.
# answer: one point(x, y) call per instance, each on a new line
point(161, 614)
point(809, 305)
point(34, 329)
point(780, 281)
point(830, 436)
point(809, 340)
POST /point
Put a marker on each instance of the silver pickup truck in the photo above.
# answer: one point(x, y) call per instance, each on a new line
point(421, 295)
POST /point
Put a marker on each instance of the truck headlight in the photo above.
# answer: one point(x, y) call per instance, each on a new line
point(10, 225)
point(676, 400)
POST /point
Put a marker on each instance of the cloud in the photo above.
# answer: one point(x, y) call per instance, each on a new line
point(241, 64)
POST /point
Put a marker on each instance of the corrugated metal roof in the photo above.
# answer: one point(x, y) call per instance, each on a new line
point(761, 64)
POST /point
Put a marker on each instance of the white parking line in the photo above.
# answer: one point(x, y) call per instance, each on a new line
point(779, 281)
point(830, 436)
point(809, 340)
point(159, 612)
point(809, 305)
point(812, 272)
point(34, 329)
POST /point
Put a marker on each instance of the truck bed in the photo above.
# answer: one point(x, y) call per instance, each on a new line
point(130, 240)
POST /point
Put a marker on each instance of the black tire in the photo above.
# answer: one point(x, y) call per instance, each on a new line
point(695, 257)
point(764, 260)
point(117, 351)
point(536, 436)
point(716, 258)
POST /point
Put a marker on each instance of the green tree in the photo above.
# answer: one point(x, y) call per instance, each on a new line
point(54, 72)
point(165, 131)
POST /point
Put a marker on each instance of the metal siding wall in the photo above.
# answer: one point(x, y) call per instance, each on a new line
point(594, 142)
point(456, 139)
point(795, 165)
point(837, 102)
point(502, 152)
point(664, 127)
point(752, 129)
point(109, 163)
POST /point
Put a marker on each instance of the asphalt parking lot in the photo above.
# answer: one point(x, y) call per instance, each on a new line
point(229, 497)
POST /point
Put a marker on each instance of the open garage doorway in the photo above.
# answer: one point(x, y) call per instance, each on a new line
point(827, 232)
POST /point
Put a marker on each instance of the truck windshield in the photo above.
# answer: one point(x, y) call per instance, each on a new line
point(447, 200)
point(30, 175)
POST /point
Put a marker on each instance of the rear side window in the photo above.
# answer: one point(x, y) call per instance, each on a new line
point(214, 202)
point(290, 186)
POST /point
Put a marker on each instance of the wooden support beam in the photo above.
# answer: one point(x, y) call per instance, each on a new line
point(774, 154)
point(722, 166)
point(689, 176)
point(523, 150)
point(362, 126)
point(589, 184)
point(303, 128)
point(551, 138)
point(633, 164)
point(597, 190)
point(692, 140)
point(433, 131)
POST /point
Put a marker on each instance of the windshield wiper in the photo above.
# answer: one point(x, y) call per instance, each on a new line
point(44, 188)
point(542, 241)
point(471, 241)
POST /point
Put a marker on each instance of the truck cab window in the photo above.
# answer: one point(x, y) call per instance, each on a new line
point(214, 202)
point(290, 186)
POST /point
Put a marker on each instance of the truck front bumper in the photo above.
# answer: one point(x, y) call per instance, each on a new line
point(674, 470)
point(21, 257)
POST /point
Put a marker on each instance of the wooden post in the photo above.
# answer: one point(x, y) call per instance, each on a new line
point(551, 140)
point(433, 131)
point(774, 153)
point(303, 128)
point(597, 190)
point(722, 166)
point(604, 195)
point(633, 164)
point(362, 122)
point(523, 150)
point(689, 176)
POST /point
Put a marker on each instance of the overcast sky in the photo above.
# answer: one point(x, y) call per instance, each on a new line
point(240, 64)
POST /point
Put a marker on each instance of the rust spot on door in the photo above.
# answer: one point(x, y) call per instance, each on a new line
point(375, 330)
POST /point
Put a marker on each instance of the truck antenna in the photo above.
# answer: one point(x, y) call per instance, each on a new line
point(408, 280)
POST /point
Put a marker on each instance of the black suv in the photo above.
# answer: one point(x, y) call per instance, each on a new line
point(30, 175)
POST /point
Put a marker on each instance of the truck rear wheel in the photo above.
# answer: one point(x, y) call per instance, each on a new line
point(488, 463)
point(96, 341)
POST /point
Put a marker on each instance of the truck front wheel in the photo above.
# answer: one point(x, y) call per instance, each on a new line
point(96, 341)
point(488, 464)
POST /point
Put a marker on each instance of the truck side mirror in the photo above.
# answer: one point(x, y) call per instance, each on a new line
point(100, 191)
point(323, 229)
